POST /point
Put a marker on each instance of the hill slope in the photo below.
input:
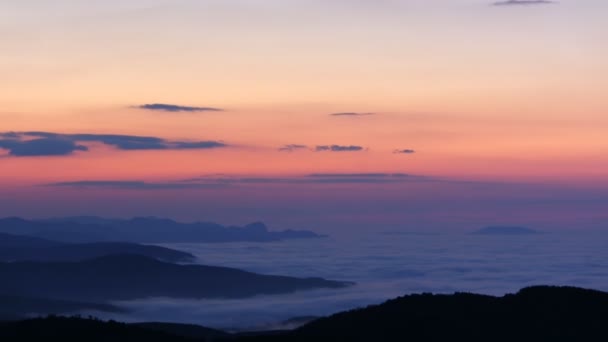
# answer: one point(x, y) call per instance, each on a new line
point(533, 314)
point(123, 277)
point(21, 248)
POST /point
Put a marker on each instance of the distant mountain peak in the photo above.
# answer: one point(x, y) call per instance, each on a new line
point(13, 219)
point(257, 226)
point(151, 219)
point(145, 230)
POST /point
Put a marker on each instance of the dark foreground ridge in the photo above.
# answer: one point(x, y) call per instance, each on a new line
point(144, 230)
point(16, 307)
point(540, 313)
point(124, 277)
point(533, 314)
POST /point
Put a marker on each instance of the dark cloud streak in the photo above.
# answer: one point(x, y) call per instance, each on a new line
point(523, 3)
point(352, 114)
point(41, 147)
point(292, 148)
point(27, 144)
point(338, 148)
point(405, 151)
point(132, 185)
point(226, 181)
point(163, 107)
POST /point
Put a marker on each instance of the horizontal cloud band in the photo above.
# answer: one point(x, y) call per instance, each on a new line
point(163, 107)
point(25, 144)
point(522, 2)
point(338, 148)
point(219, 182)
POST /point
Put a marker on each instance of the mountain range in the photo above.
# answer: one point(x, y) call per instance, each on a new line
point(26, 248)
point(125, 277)
point(144, 230)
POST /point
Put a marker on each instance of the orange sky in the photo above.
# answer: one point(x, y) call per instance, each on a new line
point(480, 92)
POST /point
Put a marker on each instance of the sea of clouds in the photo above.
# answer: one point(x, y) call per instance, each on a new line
point(384, 265)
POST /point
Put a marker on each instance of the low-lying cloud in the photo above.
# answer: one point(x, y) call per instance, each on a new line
point(292, 148)
point(132, 185)
point(352, 114)
point(523, 2)
point(41, 147)
point(338, 148)
point(164, 107)
point(215, 182)
point(404, 151)
point(29, 144)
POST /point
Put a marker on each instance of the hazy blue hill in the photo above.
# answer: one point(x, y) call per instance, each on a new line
point(20, 248)
point(144, 230)
point(123, 277)
point(505, 230)
point(71, 232)
point(20, 241)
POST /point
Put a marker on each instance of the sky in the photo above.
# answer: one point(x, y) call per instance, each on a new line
point(330, 115)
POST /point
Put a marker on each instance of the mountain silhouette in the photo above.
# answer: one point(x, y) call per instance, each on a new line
point(17, 307)
point(144, 230)
point(77, 329)
point(541, 313)
point(124, 277)
point(21, 248)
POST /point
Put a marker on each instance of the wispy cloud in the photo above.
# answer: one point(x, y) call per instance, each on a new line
point(405, 151)
point(133, 185)
point(352, 114)
point(194, 145)
point(41, 147)
point(292, 148)
point(523, 2)
point(338, 148)
point(321, 148)
point(29, 144)
point(163, 107)
point(358, 175)
point(214, 182)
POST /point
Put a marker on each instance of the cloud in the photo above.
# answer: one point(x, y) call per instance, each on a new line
point(338, 148)
point(360, 178)
point(406, 151)
point(163, 107)
point(214, 182)
point(352, 114)
point(358, 175)
point(523, 2)
point(185, 145)
point(123, 142)
point(41, 147)
point(292, 148)
point(321, 148)
point(313, 178)
point(23, 144)
point(131, 185)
